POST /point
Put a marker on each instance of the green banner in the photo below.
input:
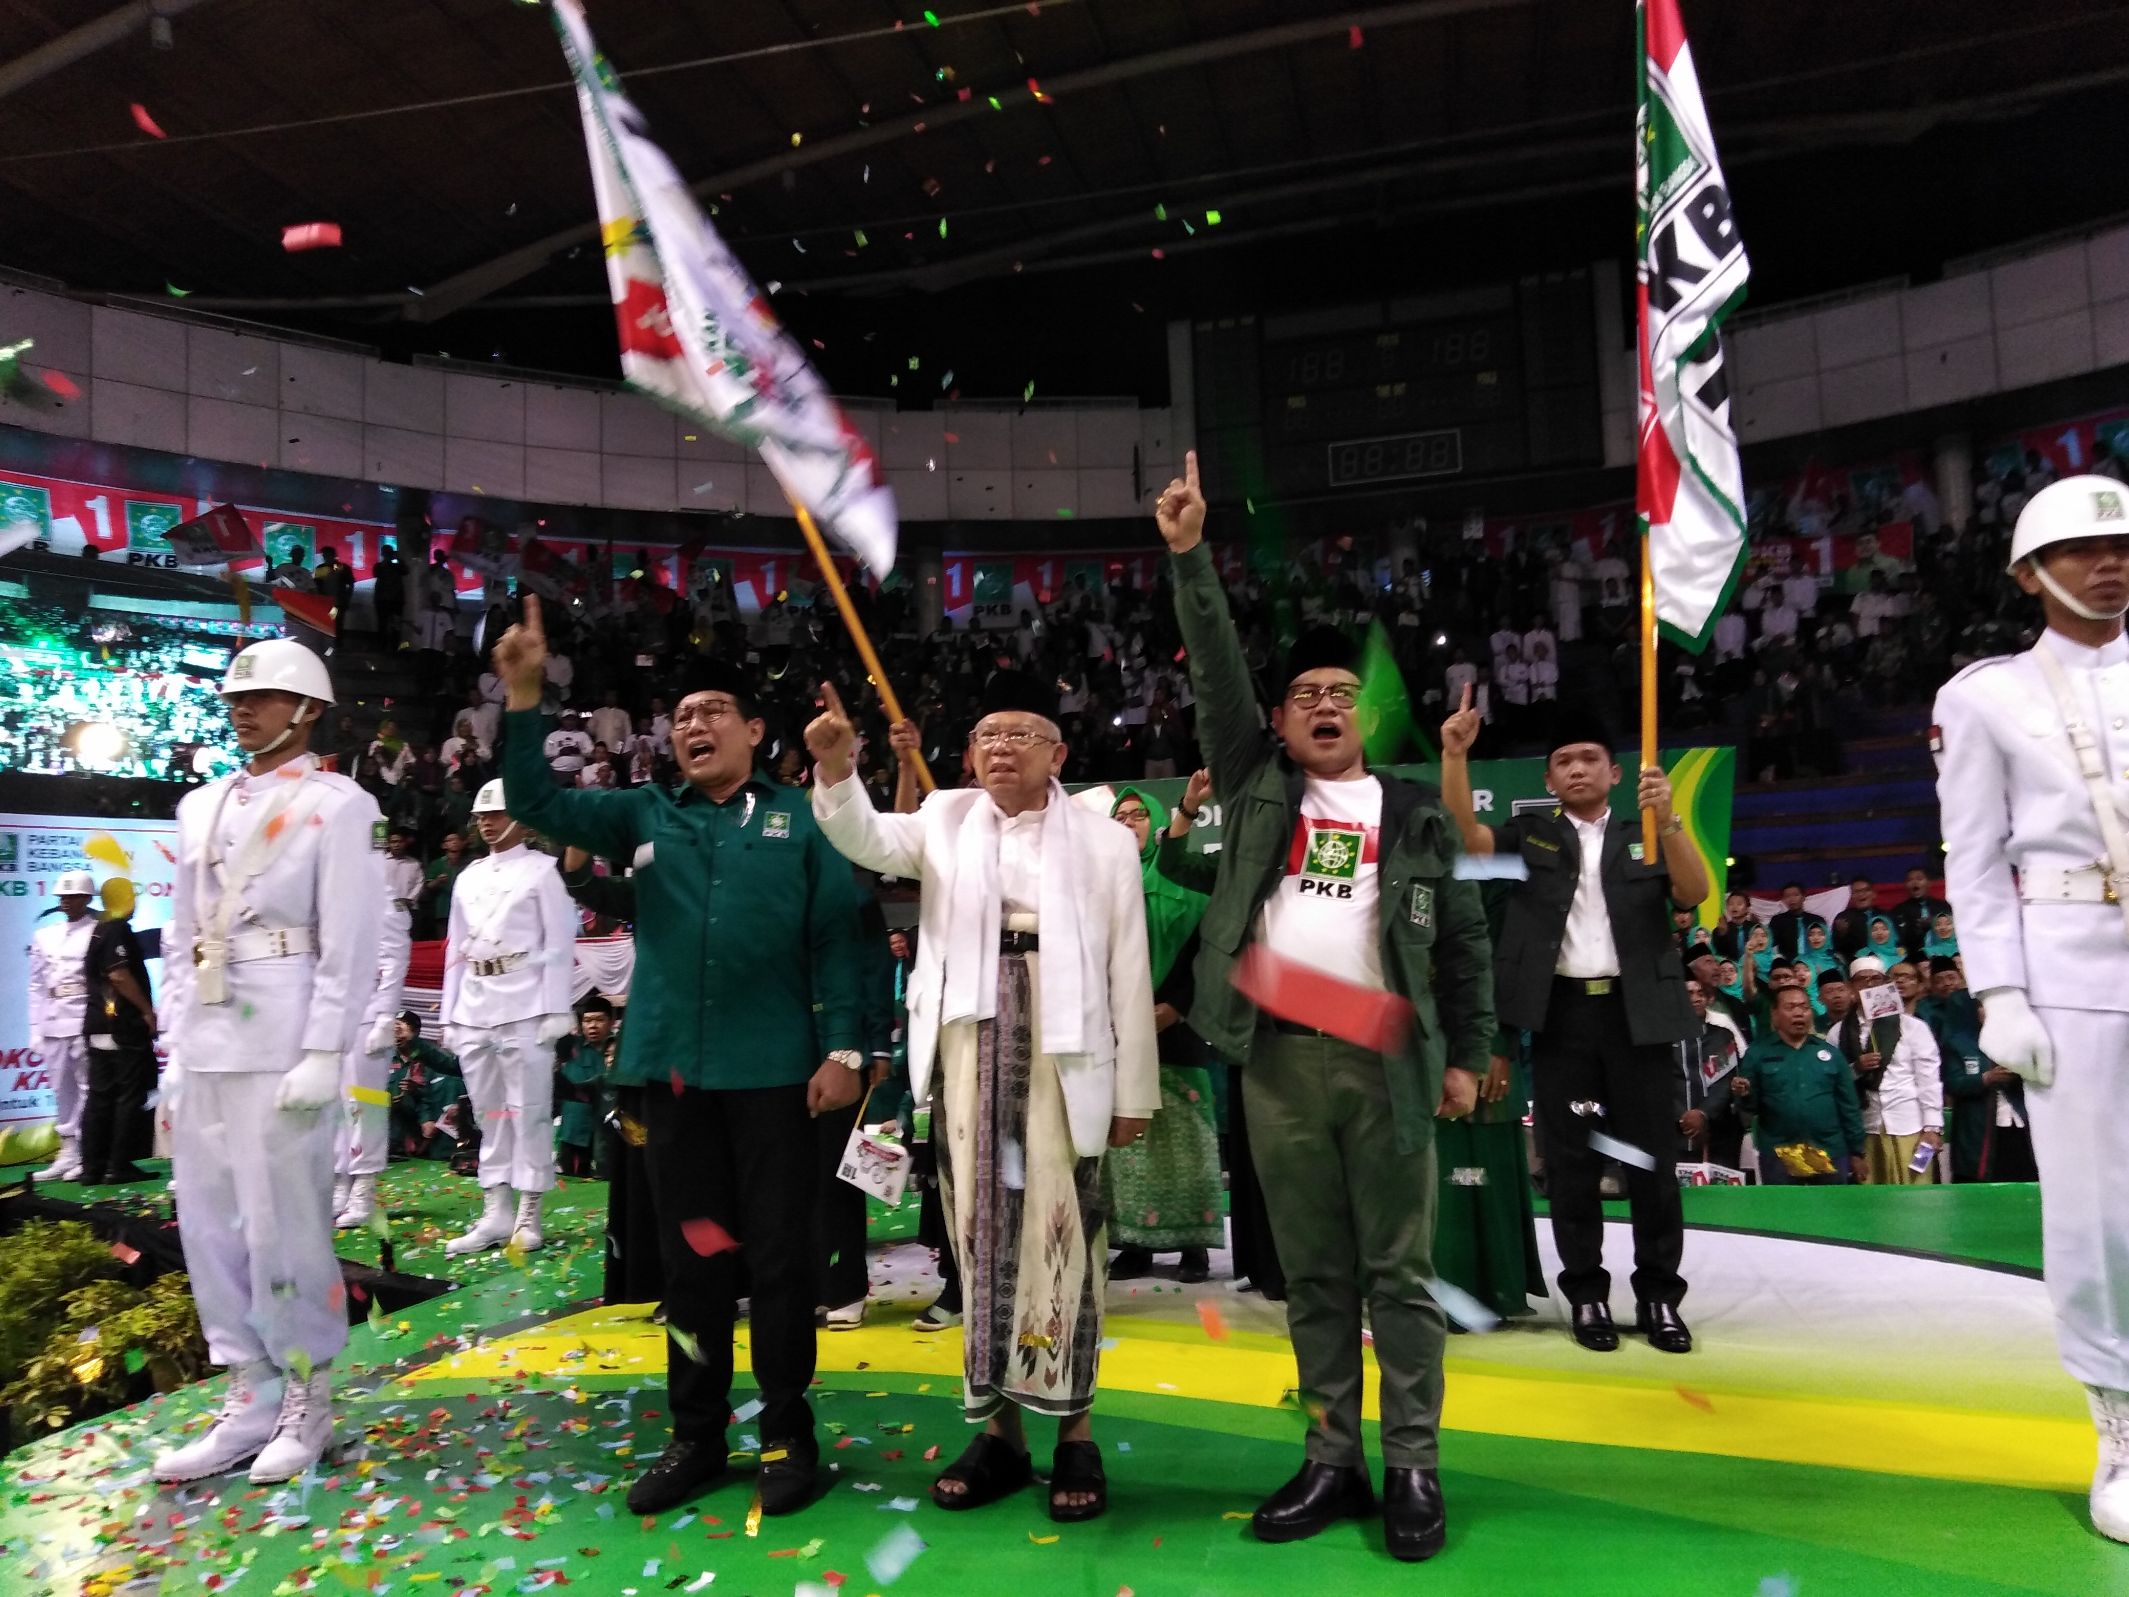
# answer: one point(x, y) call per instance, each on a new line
point(1703, 782)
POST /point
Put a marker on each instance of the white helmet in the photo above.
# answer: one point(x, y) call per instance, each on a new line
point(489, 800)
point(279, 663)
point(71, 883)
point(2074, 507)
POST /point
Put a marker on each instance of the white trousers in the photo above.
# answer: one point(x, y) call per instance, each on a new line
point(67, 1059)
point(2081, 1142)
point(362, 1137)
point(254, 1189)
point(510, 1078)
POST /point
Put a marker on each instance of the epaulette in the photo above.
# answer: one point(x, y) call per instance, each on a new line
point(1980, 665)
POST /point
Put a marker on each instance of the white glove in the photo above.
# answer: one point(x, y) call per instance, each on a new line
point(314, 1083)
point(553, 1028)
point(36, 1041)
point(382, 1037)
point(2013, 1037)
point(169, 1089)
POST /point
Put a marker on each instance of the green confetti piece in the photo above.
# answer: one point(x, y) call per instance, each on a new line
point(1028, 392)
point(297, 1363)
point(1160, 213)
point(913, 362)
point(932, 17)
point(1212, 218)
point(377, 1321)
point(136, 1361)
point(1187, 228)
point(176, 292)
point(862, 239)
point(942, 227)
point(995, 106)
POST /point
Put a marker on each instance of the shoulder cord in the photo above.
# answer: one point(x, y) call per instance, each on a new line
point(2094, 771)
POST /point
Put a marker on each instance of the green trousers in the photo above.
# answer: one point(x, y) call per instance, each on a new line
point(1354, 1223)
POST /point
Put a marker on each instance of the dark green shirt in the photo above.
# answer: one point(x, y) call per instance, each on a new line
point(748, 967)
point(1803, 1094)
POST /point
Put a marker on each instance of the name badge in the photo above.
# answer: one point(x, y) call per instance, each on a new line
point(1636, 853)
point(1422, 905)
point(776, 823)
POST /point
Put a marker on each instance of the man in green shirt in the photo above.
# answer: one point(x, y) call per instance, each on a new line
point(438, 880)
point(1801, 1091)
point(747, 1005)
point(424, 1084)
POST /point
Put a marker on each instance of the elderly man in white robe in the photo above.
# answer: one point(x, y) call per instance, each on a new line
point(1031, 1034)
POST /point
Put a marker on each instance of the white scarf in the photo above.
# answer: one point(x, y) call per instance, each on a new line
point(976, 919)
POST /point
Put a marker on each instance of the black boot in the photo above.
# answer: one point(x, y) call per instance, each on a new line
point(1195, 1267)
point(1130, 1263)
point(1414, 1524)
point(790, 1475)
point(1312, 1501)
point(682, 1471)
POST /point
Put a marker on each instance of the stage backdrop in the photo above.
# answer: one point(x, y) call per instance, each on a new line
point(1702, 782)
point(34, 849)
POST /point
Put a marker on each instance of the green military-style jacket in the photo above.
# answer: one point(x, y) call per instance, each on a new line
point(422, 1103)
point(1802, 1094)
point(748, 970)
point(1435, 950)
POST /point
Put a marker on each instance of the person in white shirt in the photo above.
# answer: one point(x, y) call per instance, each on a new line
point(362, 1140)
point(1514, 677)
point(1505, 638)
point(567, 748)
point(1540, 633)
point(1777, 624)
point(599, 769)
point(2037, 866)
point(561, 675)
point(438, 619)
point(1544, 671)
point(268, 958)
point(1566, 587)
point(1872, 607)
point(661, 724)
point(1461, 674)
point(610, 724)
point(509, 963)
point(1031, 1030)
point(1800, 592)
point(1903, 1093)
point(59, 987)
point(1730, 636)
point(464, 744)
point(390, 756)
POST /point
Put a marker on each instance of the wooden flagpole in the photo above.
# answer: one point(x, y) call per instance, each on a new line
point(1649, 756)
point(858, 635)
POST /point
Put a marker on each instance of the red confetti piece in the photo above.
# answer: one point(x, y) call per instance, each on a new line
point(1209, 1317)
point(311, 236)
point(1367, 1017)
point(1160, 255)
point(931, 1453)
point(707, 1237)
point(1353, 39)
point(1699, 1400)
point(145, 122)
point(679, 1086)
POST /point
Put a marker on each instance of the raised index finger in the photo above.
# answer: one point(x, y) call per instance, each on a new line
point(832, 701)
point(1467, 696)
point(532, 623)
point(1190, 469)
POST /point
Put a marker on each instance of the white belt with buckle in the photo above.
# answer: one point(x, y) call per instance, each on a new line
point(70, 989)
point(2087, 884)
point(281, 942)
point(502, 964)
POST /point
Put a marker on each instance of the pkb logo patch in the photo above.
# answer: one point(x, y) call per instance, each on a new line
point(2107, 506)
point(776, 823)
point(1333, 860)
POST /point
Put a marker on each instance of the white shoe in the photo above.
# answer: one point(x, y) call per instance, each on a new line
point(241, 1427)
point(357, 1204)
point(67, 1167)
point(302, 1431)
point(341, 1185)
point(2110, 1482)
point(527, 1233)
point(937, 1319)
point(493, 1228)
point(847, 1318)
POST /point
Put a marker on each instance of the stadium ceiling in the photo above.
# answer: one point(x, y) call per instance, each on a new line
point(856, 148)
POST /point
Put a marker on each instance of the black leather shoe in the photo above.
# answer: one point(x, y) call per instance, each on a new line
point(1195, 1266)
point(790, 1476)
point(1131, 1263)
point(1594, 1328)
point(1312, 1501)
point(682, 1471)
point(1666, 1332)
point(1414, 1523)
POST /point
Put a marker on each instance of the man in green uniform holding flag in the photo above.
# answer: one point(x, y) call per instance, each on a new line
point(745, 1024)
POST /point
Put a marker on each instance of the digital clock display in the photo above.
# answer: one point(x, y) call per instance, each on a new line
point(1396, 458)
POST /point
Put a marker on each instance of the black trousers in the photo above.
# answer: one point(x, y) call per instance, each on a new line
point(634, 1271)
point(839, 1219)
point(1584, 1057)
point(119, 1081)
point(746, 1159)
point(1256, 1256)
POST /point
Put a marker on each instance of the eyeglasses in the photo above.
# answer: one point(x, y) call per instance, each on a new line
point(1343, 695)
point(707, 714)
point(1012, 741)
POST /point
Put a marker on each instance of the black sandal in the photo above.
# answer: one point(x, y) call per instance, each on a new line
point(1076, 1467)
point(989, 1468)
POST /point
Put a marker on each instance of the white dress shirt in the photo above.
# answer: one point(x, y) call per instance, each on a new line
point(1910, 1095)
point(1586, 948)
point(1020, 863)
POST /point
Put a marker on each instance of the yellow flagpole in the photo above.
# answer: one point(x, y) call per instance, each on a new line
point(858, 635)
point(1649, 755)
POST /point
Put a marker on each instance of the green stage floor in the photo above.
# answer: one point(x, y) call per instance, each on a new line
point(498, 1464)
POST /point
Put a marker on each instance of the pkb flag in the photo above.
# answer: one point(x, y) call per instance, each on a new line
point(698, 335)
point(1691, 265)
point(215, 539)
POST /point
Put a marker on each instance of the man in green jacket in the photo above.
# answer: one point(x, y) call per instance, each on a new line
point(1332, 866)
point(425, 1083)
point(1801, 1090)
point(745, 1022)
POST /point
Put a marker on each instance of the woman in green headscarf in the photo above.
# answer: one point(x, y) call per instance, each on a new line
point(1164, 1190)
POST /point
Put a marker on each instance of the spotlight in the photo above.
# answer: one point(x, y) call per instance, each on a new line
point(99, 744)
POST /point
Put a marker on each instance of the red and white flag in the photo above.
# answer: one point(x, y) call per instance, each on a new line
point(215, 539)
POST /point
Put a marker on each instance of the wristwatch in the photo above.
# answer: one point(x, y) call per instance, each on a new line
point(848, 1058)
point(1674, 828)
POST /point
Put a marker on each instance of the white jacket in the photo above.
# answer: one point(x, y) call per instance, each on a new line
point(512, 903)
point(1112, 899)
point(1910, 1095)
point(59, 956)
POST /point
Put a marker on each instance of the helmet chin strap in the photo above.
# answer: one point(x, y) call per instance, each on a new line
point(289, 730)
point(2076, 607)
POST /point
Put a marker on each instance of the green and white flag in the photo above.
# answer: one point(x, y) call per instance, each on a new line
point(1689, 488)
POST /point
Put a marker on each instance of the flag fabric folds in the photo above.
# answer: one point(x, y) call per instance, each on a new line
point(1692, 270)
point(215, 539)
point(698, 335)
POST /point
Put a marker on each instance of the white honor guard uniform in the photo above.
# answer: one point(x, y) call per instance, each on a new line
point(508, 969)
point(269, 958)
point(362, 1142)
point(2033, 777)
point(59, 956)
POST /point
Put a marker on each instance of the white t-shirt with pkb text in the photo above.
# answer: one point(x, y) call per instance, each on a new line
point(1323, 912)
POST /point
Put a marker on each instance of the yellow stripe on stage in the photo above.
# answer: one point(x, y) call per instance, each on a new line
point(1257, 1371)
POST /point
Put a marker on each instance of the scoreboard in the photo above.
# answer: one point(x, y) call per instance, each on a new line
point(1477, 384)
